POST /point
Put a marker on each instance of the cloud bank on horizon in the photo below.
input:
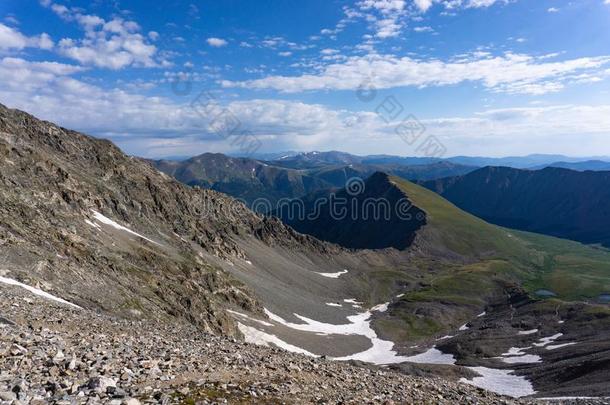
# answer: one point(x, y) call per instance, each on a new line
point(485, 77)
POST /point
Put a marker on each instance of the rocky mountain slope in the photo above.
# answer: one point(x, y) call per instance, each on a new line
point(552, 201)
point(79, 217)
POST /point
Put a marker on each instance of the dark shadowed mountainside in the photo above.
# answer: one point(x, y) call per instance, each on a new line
point(378, 216)
point(552, 201)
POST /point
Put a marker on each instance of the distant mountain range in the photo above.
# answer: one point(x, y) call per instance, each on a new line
point(314, 159)
point(553, 201)
point(251, 180)
point(243, 178)
point(594, 165)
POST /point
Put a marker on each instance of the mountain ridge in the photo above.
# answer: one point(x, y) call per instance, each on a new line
point(552, 201)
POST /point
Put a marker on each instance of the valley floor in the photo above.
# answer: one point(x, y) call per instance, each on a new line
point(52, 352)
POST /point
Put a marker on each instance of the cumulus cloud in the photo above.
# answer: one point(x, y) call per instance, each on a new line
point(157, 126)
point(510, 73)
point(12, 39)
point(388, 17)
point(113, 44)
point(424, 5)
point(216, 42)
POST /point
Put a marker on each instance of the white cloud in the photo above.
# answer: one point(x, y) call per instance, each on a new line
point(423, 29)
point(216, 42)
point(511, 73)
point(156, 126)
point(423, 5)
point(329, 51)
point(113, 44)
point(554, 9)
point(388, 19)
point(11, 39)
point(285, 53)
point(153, 35)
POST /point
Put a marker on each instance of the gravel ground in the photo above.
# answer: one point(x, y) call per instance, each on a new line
point(53, 353)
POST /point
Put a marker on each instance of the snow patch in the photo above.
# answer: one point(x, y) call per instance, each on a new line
point(380, 351)
point(352, 301)
point(333, 275)
point(400, 295)
point(445, 337)
point(253, 335)
point(107, 221)
point(92, 224)
point(524, 359)
point(380, 307)
point(503, 382)
point(527, 332)
point(36, 291)
point(559, 346)
point(464, 327)
point(482, 314)
point(516, 351)
point(333, 304)
point(249, 318)
point(548, 340)
point(432, 356)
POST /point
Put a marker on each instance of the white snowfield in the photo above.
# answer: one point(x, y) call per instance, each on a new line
point(559, 346)
point(432, 356)
point(352, 301)
point(36, 291)
point(516, 351)
point(548, 340)
point(255, 336)
point(528, 332)
point(260, 322)
point(107, 221)
point(523, 359)
point(333, 275)
point(381, 351)
point(501, 382)
point(445, 337)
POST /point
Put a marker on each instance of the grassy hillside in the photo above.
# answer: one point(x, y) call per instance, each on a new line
point(571, 270)
point(446, 292)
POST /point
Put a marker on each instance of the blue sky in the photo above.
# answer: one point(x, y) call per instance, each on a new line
point(478, 77)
